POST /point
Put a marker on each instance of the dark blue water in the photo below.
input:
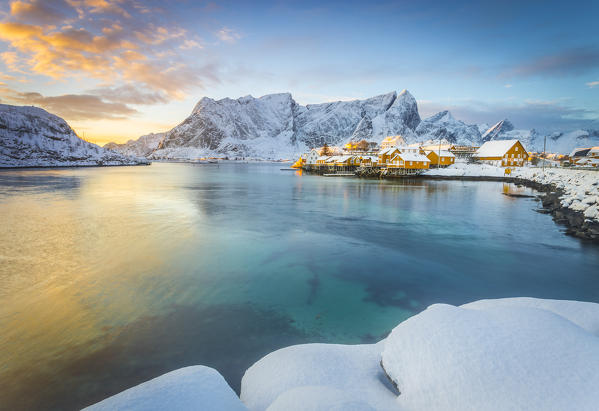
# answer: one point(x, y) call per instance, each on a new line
point(112, 276)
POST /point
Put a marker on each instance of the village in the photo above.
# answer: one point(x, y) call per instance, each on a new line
point(394, 158)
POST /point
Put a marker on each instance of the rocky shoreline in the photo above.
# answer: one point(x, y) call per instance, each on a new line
point(575, 222)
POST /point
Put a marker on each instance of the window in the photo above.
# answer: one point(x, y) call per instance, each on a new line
point(409, 163)
point(516, 148)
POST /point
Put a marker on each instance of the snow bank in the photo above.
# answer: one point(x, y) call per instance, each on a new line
point(513, 353)
point(580, 187)
point(497, 354)
point(190, 388)
point(319, 376)
point(466, 170)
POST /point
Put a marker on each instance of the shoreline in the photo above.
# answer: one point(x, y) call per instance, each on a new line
point(74, 166)
point(550, 198)
point(577, 225)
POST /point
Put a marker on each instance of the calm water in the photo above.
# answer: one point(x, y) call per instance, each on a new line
point(112, 276)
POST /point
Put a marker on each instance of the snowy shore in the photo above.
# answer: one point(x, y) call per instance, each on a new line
point(573, 194)
point(490, 354)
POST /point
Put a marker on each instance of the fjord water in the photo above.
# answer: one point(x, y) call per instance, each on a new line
point(112, 276)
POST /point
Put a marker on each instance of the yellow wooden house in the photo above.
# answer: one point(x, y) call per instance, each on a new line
point(369, 161)
point(412, 161)
point(347, 161)
point(505, 153)
point(322, 160)
point(440, 158)
point(386, 155)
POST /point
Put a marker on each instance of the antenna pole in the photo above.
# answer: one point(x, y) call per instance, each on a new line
point(544, 147)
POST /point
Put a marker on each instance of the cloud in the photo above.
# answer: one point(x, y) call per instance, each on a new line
point(129, 94)
point(70, 106)
point(190, 44)
point(228, 35)
point(148, 55)
point(540, 115)
point(99, 6)
point(566, 62)
point(507, 86)
point(46, 12)
point(592, 84)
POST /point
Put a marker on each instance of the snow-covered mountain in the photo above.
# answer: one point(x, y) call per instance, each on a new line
point(561, 142)
point(443, 126)
point(275, 126)
point(141, 147)
point(505, 130)
point(32, 137)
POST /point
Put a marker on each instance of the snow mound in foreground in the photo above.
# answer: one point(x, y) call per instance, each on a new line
point(189, 388)
point(500, 355)
point(506, 354)
point(319, 377)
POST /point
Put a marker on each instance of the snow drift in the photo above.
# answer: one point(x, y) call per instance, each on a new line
point(513, 353)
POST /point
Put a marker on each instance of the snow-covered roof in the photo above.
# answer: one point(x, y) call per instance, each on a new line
point(442, 153)
point(388, 150)
point(495, 148)
point(343, 159)
point(435, 147)
point(580, 152)
point(408, 148)
point(371, 158)
point(321, 158)
point(411, 157)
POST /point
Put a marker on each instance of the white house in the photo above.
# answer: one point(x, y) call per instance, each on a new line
point(312, 156)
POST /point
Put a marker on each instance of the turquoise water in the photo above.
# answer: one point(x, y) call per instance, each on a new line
point(112, 276)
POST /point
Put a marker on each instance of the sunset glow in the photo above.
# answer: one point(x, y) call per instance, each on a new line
point(118, 69)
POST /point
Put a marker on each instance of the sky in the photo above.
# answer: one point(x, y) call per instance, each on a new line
point(118, 69)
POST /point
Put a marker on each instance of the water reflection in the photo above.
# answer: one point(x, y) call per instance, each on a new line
point(111, 276)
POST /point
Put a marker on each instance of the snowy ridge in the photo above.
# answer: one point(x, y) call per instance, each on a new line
point(443, 126)
point(32, 137)
point(141, 147)
point(275, 126)
point(486, 355)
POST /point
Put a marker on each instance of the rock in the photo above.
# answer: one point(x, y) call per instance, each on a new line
point(497, 354)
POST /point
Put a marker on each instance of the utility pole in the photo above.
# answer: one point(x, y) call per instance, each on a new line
point(544, 147)
point(439, 159)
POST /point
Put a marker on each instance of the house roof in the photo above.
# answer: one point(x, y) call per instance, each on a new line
point(435, 147)
point(580, 152)
point(442, 153)
point(495, 148)
point(342, 159)
point(411, 157)
point(388, 150)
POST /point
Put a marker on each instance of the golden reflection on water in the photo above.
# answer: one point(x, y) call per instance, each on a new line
point(73, 270)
